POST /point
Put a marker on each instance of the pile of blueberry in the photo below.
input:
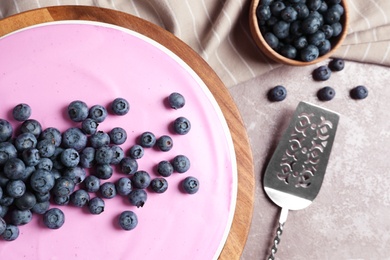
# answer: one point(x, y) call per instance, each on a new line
point(41, 167)
point(322, 73)
point(300, 29)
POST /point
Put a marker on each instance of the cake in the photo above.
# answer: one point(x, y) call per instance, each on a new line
point(50, 65)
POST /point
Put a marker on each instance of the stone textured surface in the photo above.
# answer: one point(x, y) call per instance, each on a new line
point(349, 219)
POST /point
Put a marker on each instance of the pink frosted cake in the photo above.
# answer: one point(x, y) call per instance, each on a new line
point(49, 66)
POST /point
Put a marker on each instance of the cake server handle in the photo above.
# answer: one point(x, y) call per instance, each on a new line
point(279, 231)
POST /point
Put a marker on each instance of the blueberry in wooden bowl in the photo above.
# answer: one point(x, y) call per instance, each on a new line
point(296, 32)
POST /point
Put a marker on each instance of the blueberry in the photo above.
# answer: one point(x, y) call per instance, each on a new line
point(300, 42)
point(181, 163)
point(45, 163)
point(98, 113)
point(176, 100)
point(314, 5)
point(54, 218)
point(7, 151)
point(336, 64)
point(289, 14)
point(302, 10)
point(63, 187)
point(3, 225)
point(128, 220)
point(42, 197)
point(123, 186)
point(108, 190)
point(3, 211)
point(118, 135)
point(42, 181)
point(332, 16)
point(147, 139)
point(89, 126)
point(165, 168)
point(10, 233)
point(141, 179)
point(181, 125)
point(104, 171)
point(87, 157)
point(281, 29)
point(74, 138)
point(25, 141)
point(46, 148)
point(31, 126)
point(117, 154)
point(31, 156)
point(338, 8)
point(15, 188)
point(323, 8)
point(309, 53)
point(77, 111)
point(14, 169)
point(159, 185)
point(56, 158)
point(138, 198)
point(277, 7)
point(164, 143)
point(26, 201)
point(120, 106)
point(79, 198)
point(328, 31)
point(70, 157)
point(288, 51)
point(263, 12)
point(324, 47)
point(52, 134)
point(21, 112)
point(128, 165)
point(359, 92)
point(6, 130)
point(337, 29)
point(61, 200)
point(326, 93)
point(311, 24)
point(136, 151)
point(277, 93)
point(20, 217)
point(295, 29)
point(103, 155)
point(271, 40)
point(96, 205)
point(92, 183)
point(190, 185)
point(76, 174)
point(99, 139)
point(316, 38)
point(6, 201)
point(41, 207)
point(322, 73)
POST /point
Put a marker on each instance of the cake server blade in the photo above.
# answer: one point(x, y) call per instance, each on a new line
point(294, 174)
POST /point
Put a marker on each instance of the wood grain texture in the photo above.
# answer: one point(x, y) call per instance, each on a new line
point(246, 184)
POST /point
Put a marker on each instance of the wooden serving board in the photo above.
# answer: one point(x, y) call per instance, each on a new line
point(246, 183)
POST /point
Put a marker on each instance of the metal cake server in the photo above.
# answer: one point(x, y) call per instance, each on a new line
point(294, 174)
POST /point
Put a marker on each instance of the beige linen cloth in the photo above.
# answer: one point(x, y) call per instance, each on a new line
point(218, 30)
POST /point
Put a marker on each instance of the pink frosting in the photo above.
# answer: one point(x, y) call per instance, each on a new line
point(50, 66)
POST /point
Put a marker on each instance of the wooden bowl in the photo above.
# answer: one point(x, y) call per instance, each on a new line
point(272, 54)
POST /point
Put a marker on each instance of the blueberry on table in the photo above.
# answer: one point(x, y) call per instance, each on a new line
point(7, 151)
point(181, 163)
point(322, 73)
point(15, 188)
point(165, 168)
point(63, 187)
point(138, 197)
point(31, 126)
point(128, 220)
point(190, 185)
point(176, 100)
point(76, 174)
point(359, 92)
point(326, 93)
point(277, 93)
point(31, 157)
point(117, 154)
point(181, 125)
point(54, 218)
point(336, 64)
point(70, 157)
point(89, 126)
point(74, 138)
point(96, 206)
point(25, 141)
point(140, 179)
point(46, 148)
point(42, 181)
point(10, 233)
point(26, 201)
point(108, 190)
point(21, 112)
point(118, 135)
point(45, 163)
point(79, 198)
point(120, 106)
point(87, 157)
point(98, 113)
point(164, 143)
point(103, 155)
point(159, 185)
point(147, 139)
point(128, 165)
point(52, 134)
point(6, 130)
point(136, 151)
point(104, 171)
point(14, 169)
point(91, 183)
point(123, 186)
point(20, 217)
point(99, 139)
point(77, 111)
point(41, 207)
